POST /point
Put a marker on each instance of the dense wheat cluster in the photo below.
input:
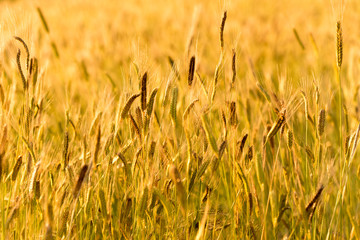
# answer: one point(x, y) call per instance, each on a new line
point(179, 119)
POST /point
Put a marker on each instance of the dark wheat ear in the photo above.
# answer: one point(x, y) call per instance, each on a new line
point(26, 50)
point(191, 70)
point(128, 104)
point(143, 91)
point(80, 180)
point(233, 67)
point(339, 44)
point(222, 26)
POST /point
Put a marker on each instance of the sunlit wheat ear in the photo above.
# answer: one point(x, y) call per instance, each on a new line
point(150, 104)
point(128, 104)
point(173, 104)
point(321, 122)
point(191, 70)
point(275, 128)
point(80, 180)
point(222, 27)
point(339, 44)
point(189, 108)
point(290, 138)
point(32, 186)
point(143, 91)
point(63, 221)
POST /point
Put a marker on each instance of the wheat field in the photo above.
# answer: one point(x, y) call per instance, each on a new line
point(150, 119)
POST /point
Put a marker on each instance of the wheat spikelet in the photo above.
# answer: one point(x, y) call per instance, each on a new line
point(20, 70)
point(43, 21)
point(206, 194)
point(128, 104)
point(321, 122)
point(14, 211)
point(63, 221)
point(243, 141)
point(356, 141)
point(143, 91)
point(97, 146)
point(222, 26)
point(317, 95)
point(223, 118)
point(174, 67)
point(233, 67)
point(209, 136)
point(95, 123)
point(298, 39)
point(233, 120)
point(150, 104)
point(34, 71)
point(66, 148)
point(309, 153)
point(37, 189)
point(188, 109)
point(347, 142)
point(2, 94)
point(80, 180)
point(191, 70)
point(314, 199)
point(275, 127)
point(339, 45)
point(222, 149)
point(152, 149)
point(16, 168)
point(26, 50)
point(33, 179)
point(250, 153)
point(173, 104)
